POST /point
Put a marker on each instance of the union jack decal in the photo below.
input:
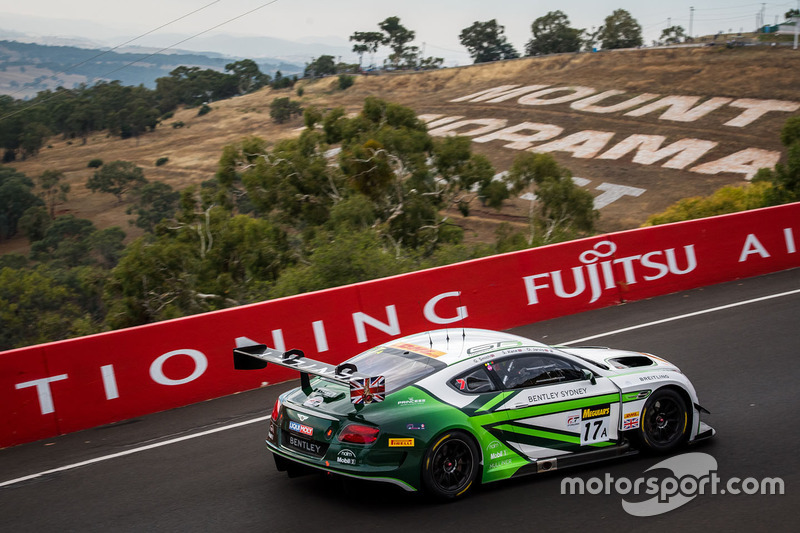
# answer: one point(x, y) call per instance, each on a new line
point(630, 423)
point(367, 390)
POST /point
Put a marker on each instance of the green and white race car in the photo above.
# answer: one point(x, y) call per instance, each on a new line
point(443, 410)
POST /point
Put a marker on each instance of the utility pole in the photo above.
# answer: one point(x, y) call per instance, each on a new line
point(796, 25)
point(691, 20)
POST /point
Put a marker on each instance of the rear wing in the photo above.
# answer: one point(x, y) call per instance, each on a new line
point(363, 388)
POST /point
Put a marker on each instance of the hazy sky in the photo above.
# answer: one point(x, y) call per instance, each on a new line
point(437, 23)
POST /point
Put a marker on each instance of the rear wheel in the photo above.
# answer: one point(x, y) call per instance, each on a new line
point(291, 468)
point(664, 423)
point(450, 465)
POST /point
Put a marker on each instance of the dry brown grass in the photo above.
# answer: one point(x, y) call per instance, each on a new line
point(194, 150)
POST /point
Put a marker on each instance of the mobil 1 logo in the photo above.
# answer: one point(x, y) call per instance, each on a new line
point(594, 424)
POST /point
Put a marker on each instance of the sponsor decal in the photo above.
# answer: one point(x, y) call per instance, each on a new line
point(346, 457)
point(313, 401)
point(630, 420)
point(498, 455)
point(367, 390)
point(302, 417)
point(305, 445)
point(493, 445)
point(596, 412)
point(556, 395)
point(401, 443)
point(573, 420)
point(596, 274)
point(630, 423)
point(415, 426)
point(493, 346)
point(653, 378)
point(430, 352)
point(411, 401)
point(499, 464)
point(595, 424)
point(301, 428)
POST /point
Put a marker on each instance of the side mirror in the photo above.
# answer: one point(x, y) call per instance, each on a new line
point(587, 374)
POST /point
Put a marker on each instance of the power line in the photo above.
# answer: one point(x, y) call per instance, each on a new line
point(265, 4)
point(126, 42)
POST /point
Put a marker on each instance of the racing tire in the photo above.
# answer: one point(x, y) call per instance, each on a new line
point(291, 468)
point(664, 423)
point(450, 466)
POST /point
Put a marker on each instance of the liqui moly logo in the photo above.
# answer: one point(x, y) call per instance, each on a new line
point(601, 270)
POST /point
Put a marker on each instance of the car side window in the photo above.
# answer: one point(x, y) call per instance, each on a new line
point(476, 380)
point(532, 370)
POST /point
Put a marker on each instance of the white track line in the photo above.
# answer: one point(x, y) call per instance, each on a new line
point(680, 317)
point(132, 451)
point(263, 418)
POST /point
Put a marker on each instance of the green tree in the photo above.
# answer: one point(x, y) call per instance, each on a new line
point(552, 34)
point(341, 258)
point(785, 178)
point(34, 308)
point(66, 241)
point(367, 41)
point(562, 210)
point(283, 109)
point(673, 35)
point(248, 76)
point(154, 202)
point(34, 222)
point(397, 38)
point(153, 281)
point(32, 138)
point(324, 65)
point(107, 245)
point(53, 191)
point(117, 178)
point(486, 42)
point(16, 197)
point(730, 199)
point(620, 30)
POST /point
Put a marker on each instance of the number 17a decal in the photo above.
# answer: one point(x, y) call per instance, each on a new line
point(594, 424)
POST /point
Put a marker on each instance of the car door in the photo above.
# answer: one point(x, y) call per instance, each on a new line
point(554, 408)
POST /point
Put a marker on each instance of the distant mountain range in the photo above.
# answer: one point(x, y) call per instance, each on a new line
point(31, 63)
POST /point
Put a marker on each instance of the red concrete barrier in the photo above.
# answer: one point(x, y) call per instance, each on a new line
point(66, 386)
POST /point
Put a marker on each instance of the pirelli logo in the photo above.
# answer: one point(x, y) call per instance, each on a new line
point(401, 443)
point(596, 412)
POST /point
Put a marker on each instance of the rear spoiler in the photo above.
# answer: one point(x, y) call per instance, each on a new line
point(258, 356)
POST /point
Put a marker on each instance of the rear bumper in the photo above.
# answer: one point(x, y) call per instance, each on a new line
point(380, 474)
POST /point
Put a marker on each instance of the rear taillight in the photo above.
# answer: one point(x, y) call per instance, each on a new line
point(276, 410)
point(359, 434)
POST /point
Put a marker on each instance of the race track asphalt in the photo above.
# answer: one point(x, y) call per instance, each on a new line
point(742, 359)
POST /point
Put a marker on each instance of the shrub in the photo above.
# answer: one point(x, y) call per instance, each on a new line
point(95, 163)
point(283, 109)
point(179, 124)
point(161, 161)
point(300, 91)
point(345, 81)
point(168, 115)
point(205, 108)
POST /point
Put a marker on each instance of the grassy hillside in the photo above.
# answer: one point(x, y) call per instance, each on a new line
point(753, 73)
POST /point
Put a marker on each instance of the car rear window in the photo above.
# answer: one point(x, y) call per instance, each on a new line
point(399, 367)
